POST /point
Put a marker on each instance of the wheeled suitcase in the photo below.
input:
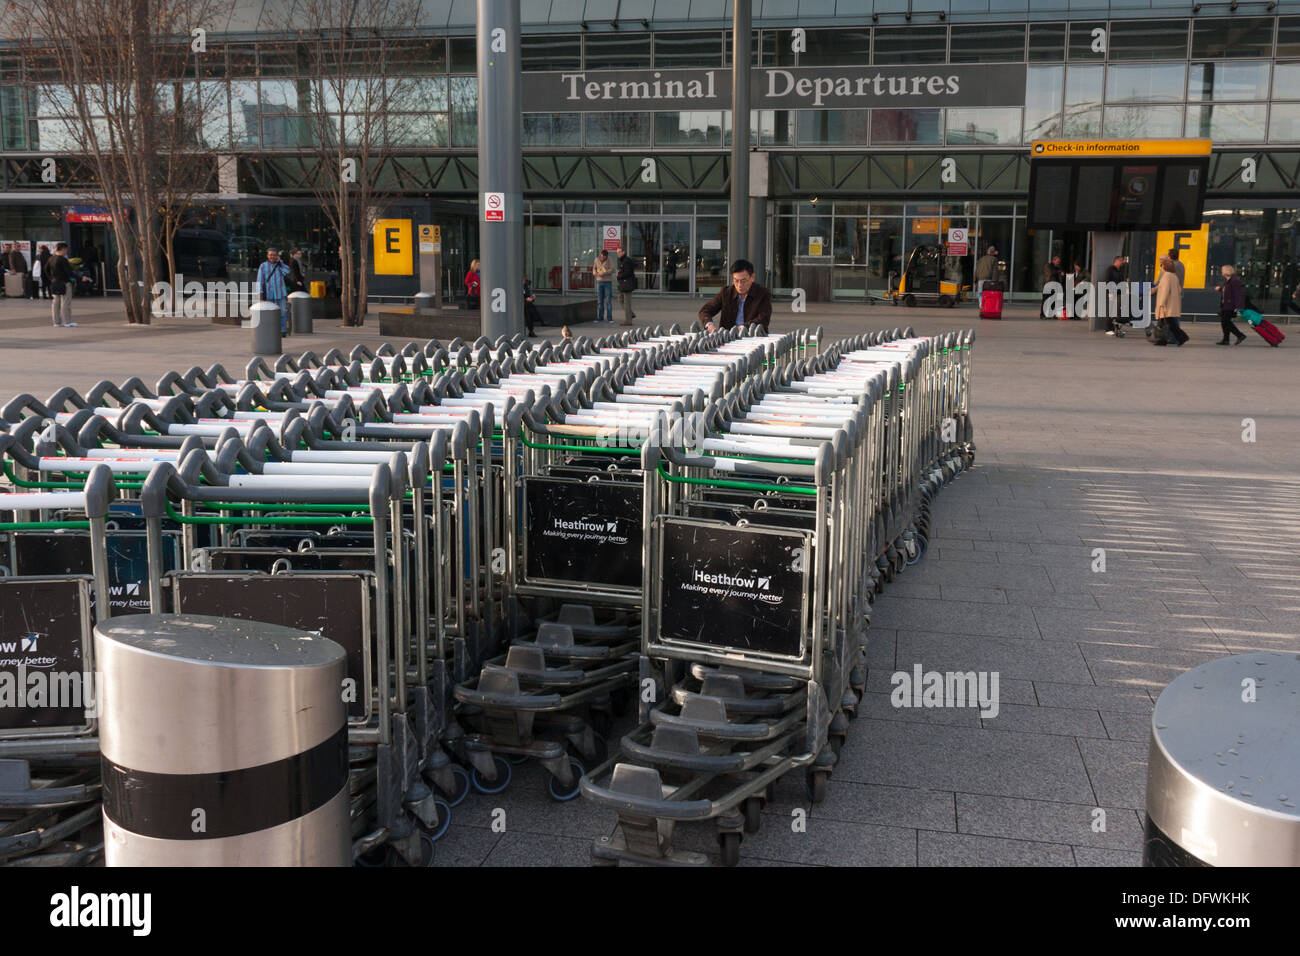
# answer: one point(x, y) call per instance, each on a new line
point(1270, 333)
point(991, 304)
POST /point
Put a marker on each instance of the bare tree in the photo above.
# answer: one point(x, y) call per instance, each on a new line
point(108, 72)
point(347, 100)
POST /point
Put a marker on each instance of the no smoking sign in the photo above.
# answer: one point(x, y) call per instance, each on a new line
point(494, 207)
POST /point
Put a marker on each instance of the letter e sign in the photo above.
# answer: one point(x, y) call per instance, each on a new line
point(393, 247)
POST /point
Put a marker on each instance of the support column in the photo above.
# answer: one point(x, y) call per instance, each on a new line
point(758, 189)
point(738, 233)
point(500, 168)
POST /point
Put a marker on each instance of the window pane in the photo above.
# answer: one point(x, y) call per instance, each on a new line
point(1284, 123)
point(980, 127)
point(617, 129)
point(836, 48)
point(910, 45)
point(702, 128)
point(1082, 87)
point(617, 52)
point(1228, 81)
point(417, 129)
point(464, 111)
point(1286, 81)
point(1145, 83)
point(1046, 41)
point(776, 49)
point(411, 94)
point(1288, 36)
point(1148, 40)
point(279, 61)
point(279, 96)
point(906, 126)
point(1081, 41)
point(1044, 86)
point(983, 44)
point(1227, 123)
point(1143, 121)
point(464, 55)
point(687, 50)
point(834, 127)
point(243, 113)
point(552, 129)
point(416, 56)
point(541, 54)
point(1232, 37)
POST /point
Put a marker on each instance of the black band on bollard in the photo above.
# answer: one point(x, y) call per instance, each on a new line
point(234, 802)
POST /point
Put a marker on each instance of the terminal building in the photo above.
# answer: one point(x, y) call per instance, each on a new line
point(878, 126)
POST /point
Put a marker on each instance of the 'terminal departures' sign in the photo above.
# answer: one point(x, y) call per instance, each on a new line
point(838, 87)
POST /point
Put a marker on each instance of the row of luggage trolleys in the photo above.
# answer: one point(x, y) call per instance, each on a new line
point(436, 510)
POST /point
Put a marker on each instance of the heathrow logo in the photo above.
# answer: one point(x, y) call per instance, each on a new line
point(752, 587)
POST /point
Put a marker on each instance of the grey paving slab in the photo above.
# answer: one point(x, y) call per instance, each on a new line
point(1095, 856)
point(1150, 627)
point(899, 753)
point(879, 706)
point(955, 617)
point(1120, 699)
point(1047, 597)
point(1048, 822)
point(1117, 769)
point(464, 845)
point(1119, 726)
point(1014, 658)
point(852, 802)
point(1143, 666)
point(1065, 721)
point(518, 848)
point(960, 849)
point(989, 595)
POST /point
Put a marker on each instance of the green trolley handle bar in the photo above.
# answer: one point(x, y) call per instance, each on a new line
point(41, 525)
point(286, 520)
point(746, 485)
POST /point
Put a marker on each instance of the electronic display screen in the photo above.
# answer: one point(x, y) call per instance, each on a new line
point(1117, 195)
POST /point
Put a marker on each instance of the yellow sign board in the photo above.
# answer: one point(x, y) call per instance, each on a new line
point(1192, 247)
point(929, 225)
point(431, 233)
point(815, 244)
point(393, 247)
point(1118, 148)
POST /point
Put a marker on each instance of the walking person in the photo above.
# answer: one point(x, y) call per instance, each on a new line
point(272, 283)
point(1169, 297)
point(986, 270)
point(1114, 295)
point(626, 284)
point(297, 272)
point(1080, 297)
point(473, 285)
point(61, 280)
point(532, 315)
point(1232, 298)
point(603, 270)
point(743, 302)
point(1053, 285)
point(43, 264)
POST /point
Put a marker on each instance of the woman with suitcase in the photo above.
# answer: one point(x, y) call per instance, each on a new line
point(1232, 297)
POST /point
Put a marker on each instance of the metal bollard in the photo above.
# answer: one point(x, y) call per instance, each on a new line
point(223, 743)
point(264, 320)
point(300, 312)
point(423, 300)
point(1223, 773)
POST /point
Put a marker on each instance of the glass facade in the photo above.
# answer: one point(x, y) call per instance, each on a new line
point(1115, 72)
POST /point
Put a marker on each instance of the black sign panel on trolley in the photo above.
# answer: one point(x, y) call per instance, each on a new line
point(736, 588)
point(336, 607)
point(68, 552)
point(582, 532)
point(43, 637)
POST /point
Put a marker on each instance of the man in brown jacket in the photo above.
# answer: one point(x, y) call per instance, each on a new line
point(744, 302)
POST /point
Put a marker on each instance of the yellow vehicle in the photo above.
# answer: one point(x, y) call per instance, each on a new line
point(930, 278)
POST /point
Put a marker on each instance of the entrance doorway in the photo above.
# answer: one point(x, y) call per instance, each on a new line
point(91, 242)
point(661, 250)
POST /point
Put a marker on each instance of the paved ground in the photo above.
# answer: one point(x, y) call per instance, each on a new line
point(1084, 442)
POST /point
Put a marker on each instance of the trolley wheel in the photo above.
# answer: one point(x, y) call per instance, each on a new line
point(557, 792)
point(946, 302)
point(837, 744)
point(816, 781)
point(462, 787)
point(920, 550)
point(439, 829)
point(493, 786)
point(753, 810)
point(729, 848)
point(909, 300)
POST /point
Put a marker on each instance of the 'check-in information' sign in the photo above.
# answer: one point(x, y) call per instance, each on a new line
point(830, 87)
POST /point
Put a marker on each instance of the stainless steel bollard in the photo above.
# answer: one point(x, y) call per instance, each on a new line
point(423, 300)
point(1223, 775)
point(264, 320)
point(223, 743)
point(300, 312)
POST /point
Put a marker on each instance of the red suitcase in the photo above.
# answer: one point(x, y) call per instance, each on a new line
point(1270, 333)
point(991, 304)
